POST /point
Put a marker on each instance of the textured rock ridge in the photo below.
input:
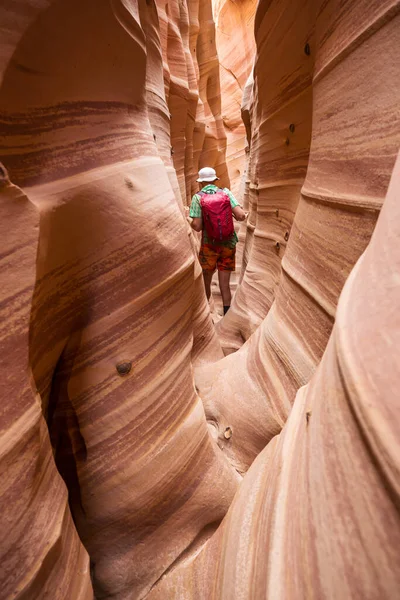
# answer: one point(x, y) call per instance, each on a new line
point(40, 549)
point(192, 88)
point(123, 426)
point(118, 312)
point(300, 247)
point(236, 50)
point(317, 513)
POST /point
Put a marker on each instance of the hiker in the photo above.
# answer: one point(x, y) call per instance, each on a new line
point(211, 211)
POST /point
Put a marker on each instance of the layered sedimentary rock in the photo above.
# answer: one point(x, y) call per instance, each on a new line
point(317, 515)
point(107, 110)
point(295, 270)
point(40, 549)
point(192, 88)
point(280, 135)
point(236, 49)
point(118, 312)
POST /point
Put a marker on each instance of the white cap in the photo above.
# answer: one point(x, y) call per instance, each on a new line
point(207, 174)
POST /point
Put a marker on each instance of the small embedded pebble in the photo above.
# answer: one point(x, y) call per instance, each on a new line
point(124, 368)
point(228, 433)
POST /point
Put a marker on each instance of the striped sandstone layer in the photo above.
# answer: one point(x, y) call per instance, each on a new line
point(104, 305)
point(115, 311)
point(317, 514)
point(301, 247)
point(192, 90)
point(236, 50)
point(40, 548)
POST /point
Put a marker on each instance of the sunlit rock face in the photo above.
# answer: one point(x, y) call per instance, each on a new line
point(103, 286)
point(236, 50)
point(192, 91)
point(320, 163)
point(123, 427)
point(317, 512)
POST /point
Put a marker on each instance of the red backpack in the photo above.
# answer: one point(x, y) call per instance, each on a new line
point(217, 215)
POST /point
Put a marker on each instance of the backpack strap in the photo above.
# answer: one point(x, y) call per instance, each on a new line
point(201, 193)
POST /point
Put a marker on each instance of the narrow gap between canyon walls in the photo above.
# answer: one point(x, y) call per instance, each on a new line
point(150, 448)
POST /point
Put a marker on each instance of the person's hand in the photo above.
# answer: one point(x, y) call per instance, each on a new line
point(187, 217)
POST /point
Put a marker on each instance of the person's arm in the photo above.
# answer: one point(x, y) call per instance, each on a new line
point(197, 224)
point(195, 214)
point(237, 210)
point(239, 213)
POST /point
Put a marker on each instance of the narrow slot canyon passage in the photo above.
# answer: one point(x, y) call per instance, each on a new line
point(151, 446)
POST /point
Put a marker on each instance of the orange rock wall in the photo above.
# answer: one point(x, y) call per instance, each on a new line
point(105, 318)
point(40, 549)
point(286, 303)
point(236, 51)
point(192, 91)
point(85, 131)
point(317, 513)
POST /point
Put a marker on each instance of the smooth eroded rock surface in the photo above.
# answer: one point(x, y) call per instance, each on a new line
point(118, 312)
point(301, 246)
point(40, 549)
point(317, 513)
point(124, 429)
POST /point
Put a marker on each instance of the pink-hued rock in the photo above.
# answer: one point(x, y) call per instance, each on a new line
point(118, 312)
point(317, 513)
point(192, 88)
point(236, 51)
point(124, 429)
point(286, 303)
point(40, 550)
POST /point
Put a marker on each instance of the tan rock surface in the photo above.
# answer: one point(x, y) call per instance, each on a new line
point(106, 319)
point(116, 288)
point(351, 157)
point(317, 513)
point(236, 50)
point(191, 73)
point(41, 554)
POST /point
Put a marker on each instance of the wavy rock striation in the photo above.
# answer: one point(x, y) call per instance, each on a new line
point(236, 49)
point(118, 312)
point(40, 549)
point(317, 513)
point(111, 366)
point(300, 247)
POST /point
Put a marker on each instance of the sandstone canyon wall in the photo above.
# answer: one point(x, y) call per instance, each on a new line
point(315, 195)
point(236, 49)
point(40, 548)
point(113, 482)
point(317, 514)
point(115, 311)
point(192, 90)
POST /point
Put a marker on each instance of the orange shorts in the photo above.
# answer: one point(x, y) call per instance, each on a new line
point(221, 257)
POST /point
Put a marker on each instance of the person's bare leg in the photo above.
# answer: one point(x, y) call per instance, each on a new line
point(207, 276)
point(223, 279)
